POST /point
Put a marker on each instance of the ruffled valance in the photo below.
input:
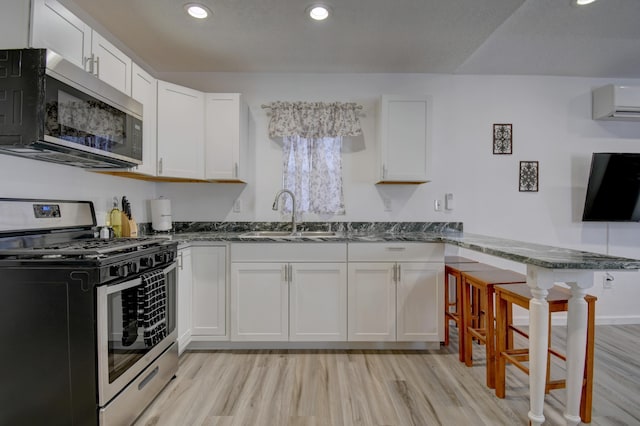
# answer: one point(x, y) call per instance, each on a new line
point(314, 119)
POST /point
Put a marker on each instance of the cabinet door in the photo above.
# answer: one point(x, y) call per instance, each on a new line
point(180, 132)
point(184, 298)
point(56, 28)
point(225, 137)
point(144, 89)
point(371, 302)
point(14, 24)
point(404, 139)
point(318, 302)
point(209, 291)
point(419, 302)
point(259, 302)
point(111, 65)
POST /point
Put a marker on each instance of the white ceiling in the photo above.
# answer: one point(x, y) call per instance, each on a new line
point(534, 37)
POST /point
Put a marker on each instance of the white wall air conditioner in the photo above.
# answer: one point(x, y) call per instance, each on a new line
point(613, 102)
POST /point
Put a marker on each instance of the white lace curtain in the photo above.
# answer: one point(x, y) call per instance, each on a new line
point(312, 135)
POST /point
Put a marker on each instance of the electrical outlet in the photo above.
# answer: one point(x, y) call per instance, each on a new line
point(387, 204)
point(607, 281)
point(237, 206)
point(437, 205)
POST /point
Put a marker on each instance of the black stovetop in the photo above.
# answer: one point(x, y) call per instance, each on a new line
point(85, 248)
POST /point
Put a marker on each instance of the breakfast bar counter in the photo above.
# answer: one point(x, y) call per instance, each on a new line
point(545, 265)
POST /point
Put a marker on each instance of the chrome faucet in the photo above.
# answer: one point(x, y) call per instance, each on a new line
point(293, 207)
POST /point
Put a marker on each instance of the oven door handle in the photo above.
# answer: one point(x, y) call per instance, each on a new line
point(135, 282)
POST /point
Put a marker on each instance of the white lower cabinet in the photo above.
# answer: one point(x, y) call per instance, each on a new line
point(372, 302)
point(185, 286)
point(392, 300)
point(288, 292)
point(202, 294)
point(318, 302)
point(208, 316)
point(259, 302)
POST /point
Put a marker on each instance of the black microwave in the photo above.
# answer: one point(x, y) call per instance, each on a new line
point(55, 111)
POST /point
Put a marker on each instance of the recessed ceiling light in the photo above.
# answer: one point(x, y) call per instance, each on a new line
point(318, 12)
point(197, 10)
point(584, 2)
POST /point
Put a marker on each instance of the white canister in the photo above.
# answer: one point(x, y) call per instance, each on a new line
point(161, 214)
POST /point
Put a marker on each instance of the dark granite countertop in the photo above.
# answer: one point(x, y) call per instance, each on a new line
point(517, 251)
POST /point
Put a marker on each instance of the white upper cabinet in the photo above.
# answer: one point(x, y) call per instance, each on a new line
point(225, 137)
point(180, 132)
point(404, 139)
point(110, 64)
point(56, 28)
point(14, 24)
point(144, 89)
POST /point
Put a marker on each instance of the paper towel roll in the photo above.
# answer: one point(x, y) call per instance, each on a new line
point(161, 214)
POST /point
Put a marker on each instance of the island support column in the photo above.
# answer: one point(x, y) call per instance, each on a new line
point(540, 280)
point(577, 324)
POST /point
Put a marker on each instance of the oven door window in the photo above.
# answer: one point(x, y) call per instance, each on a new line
point(139, 318)
point(77, 117)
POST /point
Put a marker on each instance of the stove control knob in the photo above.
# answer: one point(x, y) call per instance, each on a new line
point(147, 262)
point(160, 258)
point(133, 267)
point(120, 270)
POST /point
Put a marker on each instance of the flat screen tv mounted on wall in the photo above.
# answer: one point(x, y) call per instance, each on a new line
point(613, 191)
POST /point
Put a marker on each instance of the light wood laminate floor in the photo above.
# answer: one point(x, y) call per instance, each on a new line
point(384, 387)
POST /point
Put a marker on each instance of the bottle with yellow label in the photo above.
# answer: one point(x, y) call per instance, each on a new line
point(115, 218)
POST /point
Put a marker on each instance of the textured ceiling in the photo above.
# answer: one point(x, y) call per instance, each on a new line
point(543, 37)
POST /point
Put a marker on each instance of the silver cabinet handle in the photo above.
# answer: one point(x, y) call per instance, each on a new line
point(97, 60)
point(88, 63)
point(399, 274)
point(290, 273)
point(286, 274)
point(396, 248)
point(395, 274)
point(180, 261)
point(160, 166)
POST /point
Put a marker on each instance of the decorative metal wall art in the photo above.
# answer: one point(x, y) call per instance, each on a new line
point(529, 171)
point(502, 139)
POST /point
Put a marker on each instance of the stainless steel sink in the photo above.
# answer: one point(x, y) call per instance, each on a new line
point(284, 234)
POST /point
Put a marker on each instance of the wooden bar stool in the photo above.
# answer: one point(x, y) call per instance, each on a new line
point(450, 263)
point(454, 270)
point(483, 330)
point(558, 300)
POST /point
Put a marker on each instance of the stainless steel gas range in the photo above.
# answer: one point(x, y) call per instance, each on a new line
point(88, 326)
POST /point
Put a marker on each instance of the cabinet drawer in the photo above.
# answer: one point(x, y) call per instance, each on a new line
point(289, 252)
point(396, 252)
